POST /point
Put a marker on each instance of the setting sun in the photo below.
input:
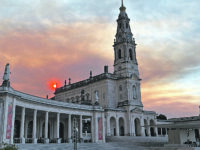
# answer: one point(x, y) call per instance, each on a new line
point(53, 84)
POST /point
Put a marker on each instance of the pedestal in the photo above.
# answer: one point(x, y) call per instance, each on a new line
point(46, 141)
point(22, 140)
point(58, 141)
point(34, 141)
point(69, 140)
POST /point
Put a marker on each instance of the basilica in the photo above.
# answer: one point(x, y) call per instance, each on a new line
point(108, 104)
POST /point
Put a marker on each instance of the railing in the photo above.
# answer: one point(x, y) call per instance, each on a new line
point(17, 140)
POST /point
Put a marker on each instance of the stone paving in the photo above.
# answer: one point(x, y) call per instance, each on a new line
point(115, 143)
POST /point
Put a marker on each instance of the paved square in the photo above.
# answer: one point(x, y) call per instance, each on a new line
point(115, 143)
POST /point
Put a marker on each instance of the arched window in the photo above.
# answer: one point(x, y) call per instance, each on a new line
point(120, 25)
point(131, 54)
point(87, 96)
point(134, 92)
point(126, 25)
point(119, 54)
point(82, 95)
point(120, 88)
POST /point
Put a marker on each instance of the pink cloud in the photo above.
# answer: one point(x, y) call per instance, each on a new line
point(73, 50)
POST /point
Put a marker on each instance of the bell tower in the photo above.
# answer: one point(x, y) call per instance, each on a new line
point(125, 63)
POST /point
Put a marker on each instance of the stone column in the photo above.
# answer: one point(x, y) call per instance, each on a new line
point(167, 133)
point(57, 127)
point(93, 128)
point(161, 131)
point(5, 117)
point(46, 127)
point(22, 125)
point(81, 127)
point(142, 127)
point(1, 120)
point(148, 129)
point(133, 126)
point(103, 125)
point(13, 121)
point(34, 127)
point(129, 126)
point(156, 131)
point(108, 125)
point(69, 129)
point(117, 126)
point(96, 128)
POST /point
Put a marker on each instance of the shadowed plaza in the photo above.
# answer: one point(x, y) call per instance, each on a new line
point(114, 143)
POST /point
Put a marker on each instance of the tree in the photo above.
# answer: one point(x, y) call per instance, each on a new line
point(161, 117)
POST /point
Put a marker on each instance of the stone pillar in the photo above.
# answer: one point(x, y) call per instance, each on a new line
point(129, 126)
point(117, 126)
point(103, 125)
point(167, 133)
point(1, 120)
point(69, 129)
point(22, 125)
point(81, 126)
point(161, 131)
point(142, 127)
point(156, 131)
point(57, 128)
point(148, 129)
point(93, 128)
point(13, 121)
point(5, 118)
point(108, 125)
point(96, 128)
point(46, 127)
point(133, 127)
point(34, 127)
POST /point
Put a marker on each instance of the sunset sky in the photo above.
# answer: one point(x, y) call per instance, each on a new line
point(44, 40)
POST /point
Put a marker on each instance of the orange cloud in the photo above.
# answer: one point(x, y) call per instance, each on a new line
point(64, 51)
point(60, 52)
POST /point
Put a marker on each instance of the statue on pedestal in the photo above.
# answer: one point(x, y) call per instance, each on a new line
point(6, 81)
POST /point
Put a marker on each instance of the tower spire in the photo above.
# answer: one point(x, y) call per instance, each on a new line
point(122, 8)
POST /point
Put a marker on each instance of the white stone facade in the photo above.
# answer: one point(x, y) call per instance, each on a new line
point(108, 104)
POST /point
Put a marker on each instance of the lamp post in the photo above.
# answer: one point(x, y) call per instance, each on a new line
point(75, 132)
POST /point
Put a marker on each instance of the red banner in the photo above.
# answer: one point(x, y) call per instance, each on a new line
point(100, 129)
point(9, 121)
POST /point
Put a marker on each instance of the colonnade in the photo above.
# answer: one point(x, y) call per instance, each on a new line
point(55, 126)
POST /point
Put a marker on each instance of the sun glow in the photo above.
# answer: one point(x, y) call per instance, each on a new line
point(53, 84)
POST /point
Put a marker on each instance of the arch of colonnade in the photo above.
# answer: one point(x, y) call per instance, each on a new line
point(117, 126)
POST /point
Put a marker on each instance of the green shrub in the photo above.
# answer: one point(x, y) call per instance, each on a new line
point(9, 147)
